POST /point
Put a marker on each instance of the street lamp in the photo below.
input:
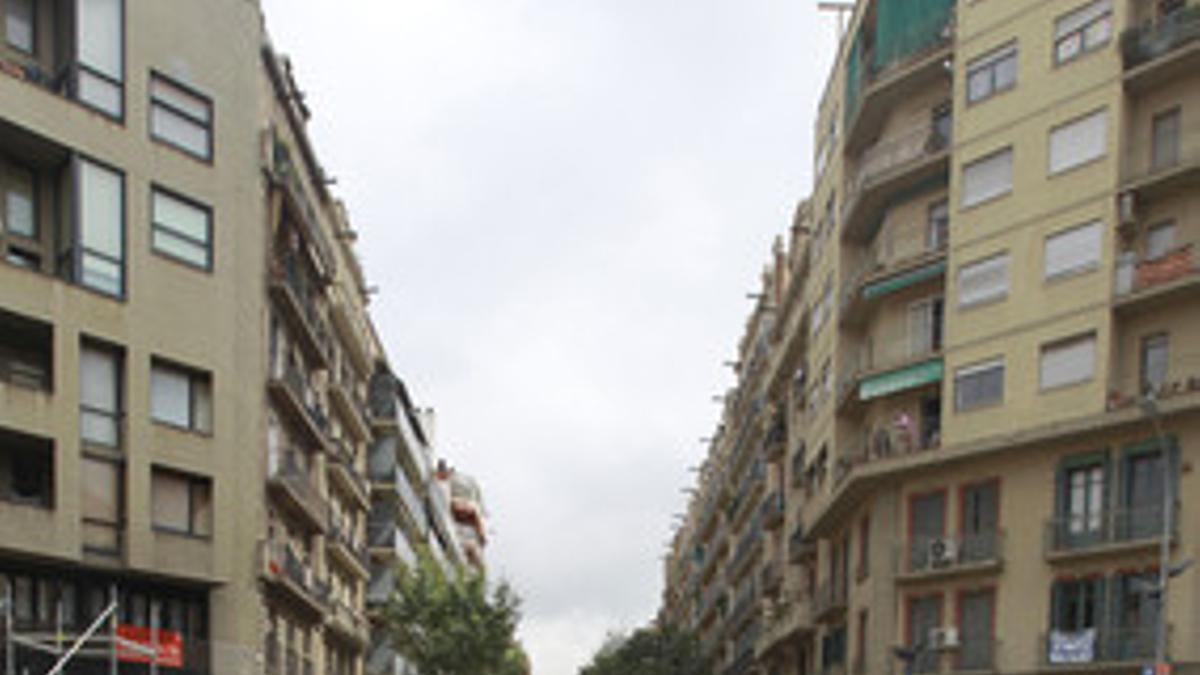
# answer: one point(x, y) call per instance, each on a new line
point(1149, 405)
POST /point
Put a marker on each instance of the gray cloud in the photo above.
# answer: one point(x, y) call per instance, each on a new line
point(563, 203)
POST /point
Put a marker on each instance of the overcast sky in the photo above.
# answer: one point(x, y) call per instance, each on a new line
point(563, 204)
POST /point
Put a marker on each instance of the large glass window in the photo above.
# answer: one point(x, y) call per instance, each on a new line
point(101, 228)
point(19, 24)
point(181, 229)
point(180, 117)
point(1084, 501)
point(100, 395)
point(180, 397)
point(924, 617)
point(992, 73)
point(1068, 361)
point(101, 46)
point(988, 177)
point(1073, 251)
point(976, 611)
point(101, 480)
point(979, 385)
point(1086, 29)
point(1078, 142)
point(181, 503)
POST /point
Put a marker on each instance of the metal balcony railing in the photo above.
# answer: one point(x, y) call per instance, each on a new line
point(830, 597)
point(287, 269)
point(905, 148)
point(929, 555)
point(1150, 41)
point(1106, 527)
point(1135, 274)
point(1100, 645)
point(292, 476)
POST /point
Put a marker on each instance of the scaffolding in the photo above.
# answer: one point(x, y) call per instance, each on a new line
point(98, 649)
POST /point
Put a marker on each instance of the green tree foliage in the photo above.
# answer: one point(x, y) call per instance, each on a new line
point(451, 624)
point(648, 651)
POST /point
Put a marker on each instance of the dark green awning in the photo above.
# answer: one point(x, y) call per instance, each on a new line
point(901, 379)
point(901, 281)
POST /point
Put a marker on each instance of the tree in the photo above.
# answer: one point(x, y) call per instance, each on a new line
point(648, 651)
point(450, 624)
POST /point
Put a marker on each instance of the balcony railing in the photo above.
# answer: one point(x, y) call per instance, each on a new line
point(1145, 43)
point(1099, 645)
point(748, 544)
point(949, 554)
point(830, 598)
point(1106, 528)
point(342, 533)
point(298, 485)
point(284, 564)
point(287, 271)
point(905, 149)
point(1137, 275)
point(771, 513)
point(798, 547)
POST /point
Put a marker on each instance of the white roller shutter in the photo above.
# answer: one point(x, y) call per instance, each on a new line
point(1078, 142)
point(1073, 250)
point(1069, 361)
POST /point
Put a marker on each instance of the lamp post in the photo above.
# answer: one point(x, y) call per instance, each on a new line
point(1149, 405)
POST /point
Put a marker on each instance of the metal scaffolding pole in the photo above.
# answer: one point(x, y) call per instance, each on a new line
point(10, 661)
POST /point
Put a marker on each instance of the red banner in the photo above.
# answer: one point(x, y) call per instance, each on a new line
point(169, 651)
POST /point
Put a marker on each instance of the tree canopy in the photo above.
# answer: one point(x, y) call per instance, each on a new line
point(648, 651)
point(452, 624)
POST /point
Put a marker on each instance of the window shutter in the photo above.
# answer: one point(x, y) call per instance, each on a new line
point(983, 280)
point(988, 177)
point(1068, 362)
point(1078, 142)
point(1073, 250)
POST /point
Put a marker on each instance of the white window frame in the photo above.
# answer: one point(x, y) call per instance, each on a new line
point(1002, 259)
point(1068, 137)
point(1074, 250)
point(1081, 347)
point(976, 168)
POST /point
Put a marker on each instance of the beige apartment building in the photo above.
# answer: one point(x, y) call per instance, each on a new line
point(196, 413)
point(942, 385)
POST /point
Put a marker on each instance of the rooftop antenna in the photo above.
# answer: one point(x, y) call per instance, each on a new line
point(842, 7)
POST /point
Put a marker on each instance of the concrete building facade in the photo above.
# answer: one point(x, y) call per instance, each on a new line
point(197, 418)
point(941, 382)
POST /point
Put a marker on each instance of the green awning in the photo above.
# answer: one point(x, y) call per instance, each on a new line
point(907, 377)
point(884, 287)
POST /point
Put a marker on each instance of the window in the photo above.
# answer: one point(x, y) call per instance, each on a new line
point(19, 24)
point(1068, 362)
point(924, 616)
point(26, 352)
point(181, 229)
point(1077, 605)
point(1078, 142)
point(1154, 361)
point(100, 395)
point(180, 117)
point(979, 385)
point(980, 521)
point(976, 617)
point(1165, 145)
point(983, 280)
point(937, 228)
point(992, 73)
point(928, 524)
point(182, 503)
point(988, 178)
point(1136, 616)
point(101, 228)
point(864, 547)
point(20, 231)
point(1083, 30)
point(102, 483)
point(1082, 497)
point(1160, 240)
point(1142, 488)
point(925, 326)
point(1073, 251)
point(26, 470)
point(860, 658)
point(101, 43)
point(180, 397)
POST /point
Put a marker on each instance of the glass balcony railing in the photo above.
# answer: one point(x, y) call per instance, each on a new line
point(1145, 43)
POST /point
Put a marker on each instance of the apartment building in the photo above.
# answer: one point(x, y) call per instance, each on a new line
point(196, 412)
point(993, 275)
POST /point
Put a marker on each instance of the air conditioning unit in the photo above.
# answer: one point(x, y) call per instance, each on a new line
point(1127, 209)
point(942, 639)
point(943, 552)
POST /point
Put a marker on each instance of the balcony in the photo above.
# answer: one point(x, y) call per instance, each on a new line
point(973, 654)
point(799, 547)
point(749, 488)
point(894, 367)
point(900, 257)
point(908, 55)
point(295, 295)
point(298, 402)
point(1155, 53)
point(348, 624)
point(713, 603)
point(1108, 531)
point(936, 557)
point(1153, 173)
point(748, 547)
point(351, 409)
point(745, 606)
point(387, 541)
point(770, 577)
point(1141, 282)
point(294, 488)
point(26, 353)
point(346, 475)
point(287, 573)
point(345, 548)
point(913, 160)
point(1098, 650)
point(830, 600)
point(775, 444)
point(771, 513)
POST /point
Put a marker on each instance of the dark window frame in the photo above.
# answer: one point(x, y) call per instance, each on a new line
point(157, 227)
point(193, 481)
point(208, 126)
